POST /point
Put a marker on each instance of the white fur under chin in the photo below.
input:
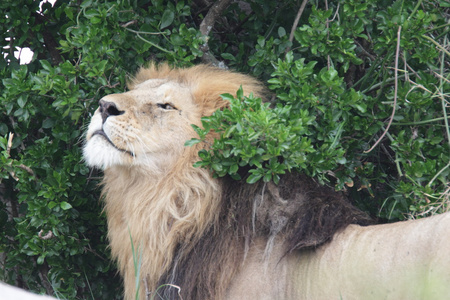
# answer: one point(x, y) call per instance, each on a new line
point(100, 154)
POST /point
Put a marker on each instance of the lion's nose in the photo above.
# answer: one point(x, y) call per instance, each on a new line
point(108, 109)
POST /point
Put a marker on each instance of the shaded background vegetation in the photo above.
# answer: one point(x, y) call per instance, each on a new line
point(329, 65)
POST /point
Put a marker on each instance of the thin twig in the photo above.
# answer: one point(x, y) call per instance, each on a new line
point(441, 96)
point(328, 30)
point(21, 166)
point(437, 44)
point(420, 122)
point(297, 19)
point(144, 32)
point(328, 36)
point(335, 13)
point(395, 91)
point(437, 174)
point(125, 25)
point(440, 76)
point(153, 44)
point(365, 51)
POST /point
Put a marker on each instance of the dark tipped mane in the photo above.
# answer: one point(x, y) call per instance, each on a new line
point(301, 212)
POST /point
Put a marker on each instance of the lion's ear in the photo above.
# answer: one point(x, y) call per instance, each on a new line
point(208, 83)
point(210, 102)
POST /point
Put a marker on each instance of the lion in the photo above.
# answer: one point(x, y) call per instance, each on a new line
point(177, 232)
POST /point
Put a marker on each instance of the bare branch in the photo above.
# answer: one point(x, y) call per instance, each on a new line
point(297, 19)
point(207, 25)
point(28, 169)
point(9, 145)
point(125, 25)
point(21, 166)
point(49, 41)
point(214, 12)
point(364, 51)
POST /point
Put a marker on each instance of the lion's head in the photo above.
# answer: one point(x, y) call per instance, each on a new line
point(148, 125)
point(192, 230)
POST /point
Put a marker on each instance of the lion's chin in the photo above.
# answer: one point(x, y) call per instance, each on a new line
point(103, 135)
point(100, 153)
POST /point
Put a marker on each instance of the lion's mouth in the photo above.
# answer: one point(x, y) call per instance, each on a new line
point(103, 134)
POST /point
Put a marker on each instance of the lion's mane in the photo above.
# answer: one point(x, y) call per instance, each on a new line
point(193, 231)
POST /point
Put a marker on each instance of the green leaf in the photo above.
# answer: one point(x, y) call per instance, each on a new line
point(22, 100)
point(253, 178)
point(167, 19)
point(199, 164)
point(267, 177)
point(69, 12)
point(46, 65)
point(3, 129)
point(91, 13)
point(281, 32)
point(65, 206)
point(362, 107)
point(96, 20)
point(40, 259)
point(191, 142)
point(217, 167)
point(233, 168)
point(228, 56)
point(48, 123)
point(227, 96)
point(51, 204)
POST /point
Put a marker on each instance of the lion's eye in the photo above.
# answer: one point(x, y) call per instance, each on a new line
point(167, 106)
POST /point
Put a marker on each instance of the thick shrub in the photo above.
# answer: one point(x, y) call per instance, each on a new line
point(332, 86)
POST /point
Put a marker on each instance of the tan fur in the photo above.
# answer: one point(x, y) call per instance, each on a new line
point(223, 239)
point(400, 261)
point(176, 210)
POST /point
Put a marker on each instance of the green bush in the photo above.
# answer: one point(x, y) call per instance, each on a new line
point(333, 87)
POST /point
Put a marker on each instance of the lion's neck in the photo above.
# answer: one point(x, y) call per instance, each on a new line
point(156, 213)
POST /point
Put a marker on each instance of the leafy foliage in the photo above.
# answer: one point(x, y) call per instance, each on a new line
point(338, 83)
point(256, 135)
point(333, 92)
